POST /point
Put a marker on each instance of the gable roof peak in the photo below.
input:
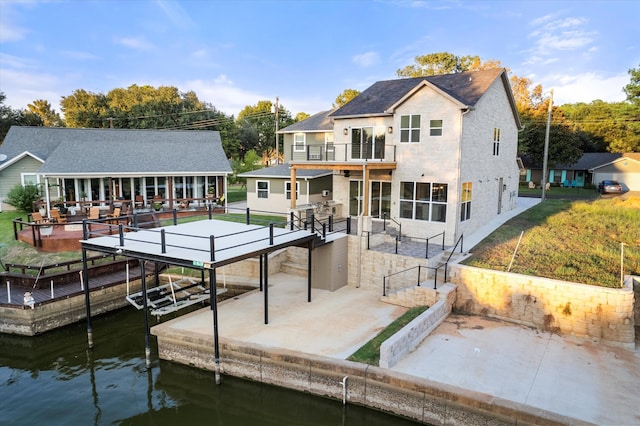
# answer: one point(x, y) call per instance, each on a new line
point(466, 88)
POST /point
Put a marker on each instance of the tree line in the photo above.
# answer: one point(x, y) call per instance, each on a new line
point(575, 128)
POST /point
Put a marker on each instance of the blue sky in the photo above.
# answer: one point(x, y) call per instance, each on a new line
point(235, 53)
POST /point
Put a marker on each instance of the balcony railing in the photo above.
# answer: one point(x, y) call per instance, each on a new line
point(344, 152)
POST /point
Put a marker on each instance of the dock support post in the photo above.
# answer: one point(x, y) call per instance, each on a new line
point(266, 288)
point(310, 248)
point(87, 303)
point(143, 281)
point(213, 295)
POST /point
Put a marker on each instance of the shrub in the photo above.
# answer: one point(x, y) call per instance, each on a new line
point(22, 197)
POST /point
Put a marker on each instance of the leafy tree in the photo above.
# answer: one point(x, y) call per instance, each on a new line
point(15, 117)
point(49, 116)
point(136, 107)
point(613, 127)
point(345, 97)
point(85, 109)
point(257, 125)
point(564, 142)
point(23, 197)
point(251, 161)
point(633, 88)
point(302, 116)
point(445, 63)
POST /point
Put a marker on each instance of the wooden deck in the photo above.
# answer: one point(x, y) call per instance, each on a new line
point(64, 291)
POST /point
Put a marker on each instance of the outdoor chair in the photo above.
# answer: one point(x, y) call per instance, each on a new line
point(114, 216)
point(94, 213)
point(139, 203)
point(57, 217)
point(37, 218)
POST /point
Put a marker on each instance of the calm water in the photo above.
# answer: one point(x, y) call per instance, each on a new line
point(54, 380)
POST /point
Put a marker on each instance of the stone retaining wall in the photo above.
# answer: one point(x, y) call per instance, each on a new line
point(370, 386)
point(49, 316)
point(587, 311)
point(367, 268)
point(406, 340)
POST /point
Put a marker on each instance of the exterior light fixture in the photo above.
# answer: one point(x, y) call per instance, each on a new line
point(345, 131)
point(390, 129)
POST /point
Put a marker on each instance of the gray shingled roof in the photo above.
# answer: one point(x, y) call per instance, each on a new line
point(466, 87)
point(320, 122)
point(587, 161)
point(283, 171)
point(119, 151)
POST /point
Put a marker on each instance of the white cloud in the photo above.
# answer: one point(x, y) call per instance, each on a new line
point(11, 32)
point(586, 87)
point(366, 59)
point(133, 43)
point(176, 14)
point(222, 94)
point(23, 87)
point(552, 35)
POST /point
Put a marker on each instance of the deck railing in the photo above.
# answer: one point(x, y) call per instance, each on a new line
point(343, 152)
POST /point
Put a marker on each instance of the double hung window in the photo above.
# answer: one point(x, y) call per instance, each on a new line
point(410, 128)
point(262, 188)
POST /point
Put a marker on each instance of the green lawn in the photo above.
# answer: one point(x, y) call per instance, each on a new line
point(568, 240)
point(236, 193)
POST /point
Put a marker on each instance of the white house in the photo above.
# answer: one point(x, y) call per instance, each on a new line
point(436, 154)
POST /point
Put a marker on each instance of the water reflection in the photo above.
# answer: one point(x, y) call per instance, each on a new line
point(55, 379)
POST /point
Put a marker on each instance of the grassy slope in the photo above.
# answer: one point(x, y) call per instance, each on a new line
point(574, 241)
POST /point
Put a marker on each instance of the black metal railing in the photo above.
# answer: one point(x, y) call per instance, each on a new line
point(436, 269)
point(446, 263)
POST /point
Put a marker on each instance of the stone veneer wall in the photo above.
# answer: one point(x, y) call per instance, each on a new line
point(369, 269)
point(406, 340)
point(598, 313)
point(370, 386)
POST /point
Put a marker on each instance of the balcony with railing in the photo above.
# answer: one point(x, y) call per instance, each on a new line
point(343, 153)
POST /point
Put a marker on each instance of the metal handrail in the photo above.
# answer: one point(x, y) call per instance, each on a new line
point(435, 276)
point(461, 242)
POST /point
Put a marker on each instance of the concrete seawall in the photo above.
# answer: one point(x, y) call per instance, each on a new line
point(56, 314)
point(370, 386)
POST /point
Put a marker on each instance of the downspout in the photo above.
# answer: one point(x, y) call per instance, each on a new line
point(307, 182)
point(459, 178)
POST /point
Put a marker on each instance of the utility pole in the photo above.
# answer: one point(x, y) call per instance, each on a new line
point(546, 150)
point(277, 149)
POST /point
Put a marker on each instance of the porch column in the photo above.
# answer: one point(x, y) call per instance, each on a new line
point(365, 190)
point(293, 187)
point(170, 191)
point(47, 197)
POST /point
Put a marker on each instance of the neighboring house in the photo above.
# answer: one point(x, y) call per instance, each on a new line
point(103, 165)
point(269, 189)
point(591, 168)
point(436, 154)
point(625, 169)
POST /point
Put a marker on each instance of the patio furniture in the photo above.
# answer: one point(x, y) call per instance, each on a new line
point(57, 217)
point(139, 202)
point(113, 217)
point(94, 213)
point(37, 218)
